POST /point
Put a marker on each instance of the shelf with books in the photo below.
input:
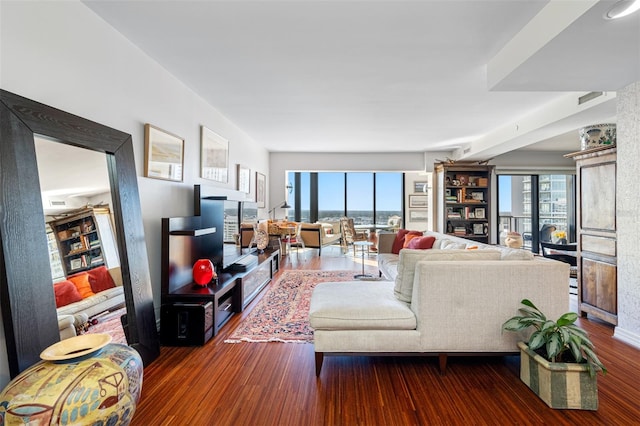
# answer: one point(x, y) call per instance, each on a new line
point(463, 200)
point(85, 240)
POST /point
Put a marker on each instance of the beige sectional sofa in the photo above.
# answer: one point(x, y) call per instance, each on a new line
point(444, 301)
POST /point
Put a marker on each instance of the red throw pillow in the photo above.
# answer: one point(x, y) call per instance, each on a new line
point(100, 279)
point(398, 243)
point(66, 293)
point(81, 281)
point(422, 243)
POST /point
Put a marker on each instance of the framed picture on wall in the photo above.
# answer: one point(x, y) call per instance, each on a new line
point(419, 215)
point(420, 187)
point(163, 154)
point(418, 201)
point(244, 177)
point(214, 156)
point(261, 189)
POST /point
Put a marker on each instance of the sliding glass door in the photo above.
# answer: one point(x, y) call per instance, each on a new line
point(539, 207)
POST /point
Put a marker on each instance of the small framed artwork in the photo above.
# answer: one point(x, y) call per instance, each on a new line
point(479, 213)
point(244, 176)
point(420, 187)
point(478, 229)
point(418, 201)
point(214, 156)
point(418, 215)
point(261, 189)
point(477, 195)
point(75, 264)
point(163, 154)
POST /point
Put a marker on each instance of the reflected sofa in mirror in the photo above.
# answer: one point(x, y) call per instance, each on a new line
point(26, 295)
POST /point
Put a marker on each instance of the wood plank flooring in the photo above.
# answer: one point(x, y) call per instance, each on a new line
point(275, 383)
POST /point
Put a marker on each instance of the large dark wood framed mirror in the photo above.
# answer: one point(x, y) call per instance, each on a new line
point(26, 292)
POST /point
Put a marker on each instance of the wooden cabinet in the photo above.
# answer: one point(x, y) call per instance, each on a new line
point(596, 232)
point(463, 200)
point(86, 240)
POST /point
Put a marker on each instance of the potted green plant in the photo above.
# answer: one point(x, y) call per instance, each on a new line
point(558, 362)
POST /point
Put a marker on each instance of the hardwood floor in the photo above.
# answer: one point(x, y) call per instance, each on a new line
point(275, 383)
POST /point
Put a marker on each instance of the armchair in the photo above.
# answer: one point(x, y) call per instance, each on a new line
point(350, 235)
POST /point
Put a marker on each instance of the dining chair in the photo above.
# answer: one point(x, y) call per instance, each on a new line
point(294, 238)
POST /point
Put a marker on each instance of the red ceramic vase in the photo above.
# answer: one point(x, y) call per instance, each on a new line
point(203, 272)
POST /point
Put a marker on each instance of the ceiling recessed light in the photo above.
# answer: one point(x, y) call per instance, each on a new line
point(623, 8)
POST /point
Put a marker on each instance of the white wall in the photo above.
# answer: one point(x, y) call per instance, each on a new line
point(627, 212)
point(63, 55)
point(410, 180)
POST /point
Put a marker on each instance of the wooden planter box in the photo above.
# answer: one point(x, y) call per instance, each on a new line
point(560, 385)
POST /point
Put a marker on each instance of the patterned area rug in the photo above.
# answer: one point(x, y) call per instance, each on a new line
point(282, 315)
point(110, 324)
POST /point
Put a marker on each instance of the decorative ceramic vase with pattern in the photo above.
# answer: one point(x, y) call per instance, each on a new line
point(598, 135)
point(80, 380)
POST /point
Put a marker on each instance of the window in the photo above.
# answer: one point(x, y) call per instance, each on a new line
point(388, 196)
point(367, 197)
point(331, 190)
point(539, 207)
point(360, 198)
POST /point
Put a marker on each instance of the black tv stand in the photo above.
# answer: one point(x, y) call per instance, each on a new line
point(191, 314)
point(244, 264)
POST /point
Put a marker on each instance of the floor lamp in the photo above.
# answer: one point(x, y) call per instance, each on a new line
point(283, 206)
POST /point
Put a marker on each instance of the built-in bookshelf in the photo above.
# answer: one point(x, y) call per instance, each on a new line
point(463, 200)
point(86, 240)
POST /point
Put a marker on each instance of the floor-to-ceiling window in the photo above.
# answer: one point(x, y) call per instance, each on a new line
point(388, 197)
point(331, 200)
point(369, 198)
point(539, 207)
point(360, 197)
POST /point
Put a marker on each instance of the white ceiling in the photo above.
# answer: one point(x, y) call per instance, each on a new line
point(388, 76)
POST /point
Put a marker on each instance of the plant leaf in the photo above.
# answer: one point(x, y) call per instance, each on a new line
point(554, 346)
point(536, 340)
point(567, 319)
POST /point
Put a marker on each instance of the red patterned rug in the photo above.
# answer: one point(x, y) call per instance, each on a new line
point(282, 315)
point(110, 323)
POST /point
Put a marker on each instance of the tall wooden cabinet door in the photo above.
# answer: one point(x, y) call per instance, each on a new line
point(597, 241)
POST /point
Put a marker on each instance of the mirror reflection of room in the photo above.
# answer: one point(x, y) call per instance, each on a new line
point(83, 250)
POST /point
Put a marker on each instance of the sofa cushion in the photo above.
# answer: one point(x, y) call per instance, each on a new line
point(388, 265)
point(421, 243)
point(359, 305)
point(398, 243)
point(452, 245)
point(515, 254)
point(81, 281)
point(100, 279)
point(403, 289)
point(66, 293)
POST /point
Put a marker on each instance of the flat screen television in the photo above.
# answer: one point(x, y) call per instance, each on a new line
point(226, 216)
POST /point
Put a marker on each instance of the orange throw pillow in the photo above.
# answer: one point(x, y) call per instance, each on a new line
point(81, 281)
